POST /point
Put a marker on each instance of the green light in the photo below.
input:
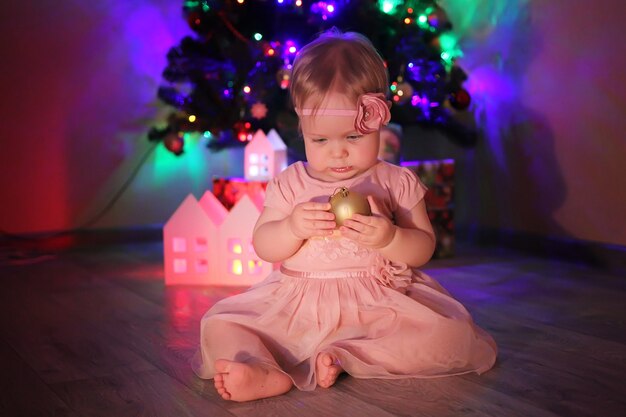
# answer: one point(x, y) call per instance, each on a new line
point(207, 134)
point(192, 164)
point(450, 44)
point(393, 87)
point(422, 21)
point(258, 36)
point(190, 4)
point(388, 6)
point(205, 7)
point(449, 48)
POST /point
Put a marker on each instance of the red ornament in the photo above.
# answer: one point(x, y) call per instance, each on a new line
point(174, 144)
point(194, 19)
point(460, 100)
point(258, 110)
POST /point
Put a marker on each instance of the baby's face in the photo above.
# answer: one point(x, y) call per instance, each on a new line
point(335, 151)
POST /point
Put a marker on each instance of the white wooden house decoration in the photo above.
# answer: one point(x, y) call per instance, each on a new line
point(204, 244)
point(265, 156)
point(190, 237)
point(240, 264)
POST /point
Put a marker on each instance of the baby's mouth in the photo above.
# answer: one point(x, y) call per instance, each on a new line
point(341, 169)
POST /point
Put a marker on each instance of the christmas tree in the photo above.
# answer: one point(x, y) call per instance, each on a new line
point(232, 76)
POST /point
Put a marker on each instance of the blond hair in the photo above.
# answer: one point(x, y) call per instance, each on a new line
point(344, 63)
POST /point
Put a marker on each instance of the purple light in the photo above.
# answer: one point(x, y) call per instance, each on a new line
point(291, 47)
point(324, 9)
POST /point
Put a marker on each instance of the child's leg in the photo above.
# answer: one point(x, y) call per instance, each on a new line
point(241, 362)
point(327, 369)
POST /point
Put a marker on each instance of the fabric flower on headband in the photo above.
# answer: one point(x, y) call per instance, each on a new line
point(372, 113)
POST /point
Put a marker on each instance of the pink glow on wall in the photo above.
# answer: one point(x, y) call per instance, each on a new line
point(81, 78)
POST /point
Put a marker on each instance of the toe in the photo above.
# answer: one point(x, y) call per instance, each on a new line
point(327, 359)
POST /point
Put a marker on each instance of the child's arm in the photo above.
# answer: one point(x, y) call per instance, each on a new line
point(276, 237)
point(411, 240)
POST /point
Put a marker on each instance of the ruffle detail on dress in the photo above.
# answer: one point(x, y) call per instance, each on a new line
point(394, 275)
point(329, 249)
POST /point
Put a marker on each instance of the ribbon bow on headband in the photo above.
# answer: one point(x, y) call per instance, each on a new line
point(372, 112)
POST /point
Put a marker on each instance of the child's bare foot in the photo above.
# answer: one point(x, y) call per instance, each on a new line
point(238, 381)
point(326, 369)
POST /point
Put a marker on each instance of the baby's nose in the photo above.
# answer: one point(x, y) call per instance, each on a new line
point(339, 151)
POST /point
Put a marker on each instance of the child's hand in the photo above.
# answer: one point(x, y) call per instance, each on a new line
point(312, 219)
point(375, 231)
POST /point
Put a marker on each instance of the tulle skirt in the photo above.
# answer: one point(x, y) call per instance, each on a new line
point(374, 331)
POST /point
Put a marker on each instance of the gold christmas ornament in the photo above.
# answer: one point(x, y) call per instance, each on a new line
point(344, 203)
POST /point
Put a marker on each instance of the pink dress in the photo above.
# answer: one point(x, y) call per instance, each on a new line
point(380, 319)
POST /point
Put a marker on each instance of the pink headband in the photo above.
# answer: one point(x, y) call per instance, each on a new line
point(372, 112)
point(326, 112)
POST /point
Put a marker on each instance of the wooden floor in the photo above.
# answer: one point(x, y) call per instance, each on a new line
point(95, 333)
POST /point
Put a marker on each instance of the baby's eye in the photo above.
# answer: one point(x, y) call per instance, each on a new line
point(354, 138)
point(318, 140)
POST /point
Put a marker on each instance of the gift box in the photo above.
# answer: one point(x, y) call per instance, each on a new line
point(438, 176)
point(230, 190)
point(443, 225)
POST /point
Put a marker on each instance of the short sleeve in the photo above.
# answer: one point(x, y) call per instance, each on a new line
point(279, 195)
point(410, 190)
